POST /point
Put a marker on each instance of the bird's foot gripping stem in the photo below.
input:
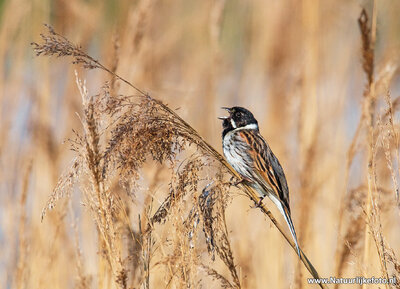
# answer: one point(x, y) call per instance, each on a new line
point(236, 182)
point(258, 204)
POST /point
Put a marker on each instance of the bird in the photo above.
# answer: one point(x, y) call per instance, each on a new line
point(251, 157)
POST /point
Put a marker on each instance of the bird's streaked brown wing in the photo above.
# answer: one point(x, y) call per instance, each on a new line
point(268, 171)
point(258, 164)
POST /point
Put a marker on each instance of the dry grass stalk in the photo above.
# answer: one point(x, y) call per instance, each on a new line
point(374, 198)
point(368, 43)
point(386, 135)
point(388, 140)
point(22, 268)
point(353, 236)
point(142, 127)
point(392, 137)
point(84, 281)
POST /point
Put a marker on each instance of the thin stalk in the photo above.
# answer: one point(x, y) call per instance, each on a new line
point(370, 122)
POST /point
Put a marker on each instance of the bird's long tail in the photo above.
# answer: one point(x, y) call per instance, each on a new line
point(286, 214)
point(288, 220)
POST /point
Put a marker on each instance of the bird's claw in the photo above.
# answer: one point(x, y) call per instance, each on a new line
point(237, 182)
point(258, 204)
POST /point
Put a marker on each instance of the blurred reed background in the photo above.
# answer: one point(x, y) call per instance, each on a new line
point(297, 65)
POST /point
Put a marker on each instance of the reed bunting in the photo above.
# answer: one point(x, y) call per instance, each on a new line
point(250, 155)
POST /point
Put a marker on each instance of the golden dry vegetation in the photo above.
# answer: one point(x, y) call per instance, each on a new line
point(111, 173)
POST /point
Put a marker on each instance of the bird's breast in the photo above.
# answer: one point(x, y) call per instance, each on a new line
point(235, 153)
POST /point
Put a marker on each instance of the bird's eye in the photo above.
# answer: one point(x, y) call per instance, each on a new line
point(238, 114)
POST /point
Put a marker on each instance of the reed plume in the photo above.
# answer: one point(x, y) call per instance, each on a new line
point(120, 134)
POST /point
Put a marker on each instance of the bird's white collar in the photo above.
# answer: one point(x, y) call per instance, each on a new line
point(249, 126)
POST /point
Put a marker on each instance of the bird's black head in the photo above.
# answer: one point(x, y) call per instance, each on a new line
point(239, 117)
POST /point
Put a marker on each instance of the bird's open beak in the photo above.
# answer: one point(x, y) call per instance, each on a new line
point(225, 117)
